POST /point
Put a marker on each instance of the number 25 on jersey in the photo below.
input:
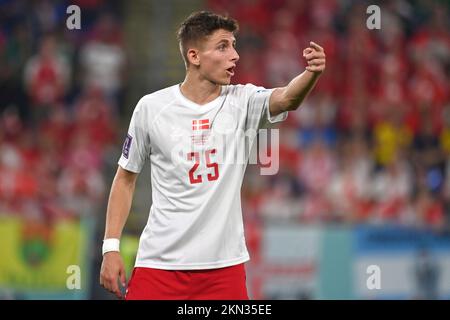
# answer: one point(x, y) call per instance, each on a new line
point(195, 156)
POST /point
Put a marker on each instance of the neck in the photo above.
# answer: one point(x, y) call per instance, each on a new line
point(199, 90)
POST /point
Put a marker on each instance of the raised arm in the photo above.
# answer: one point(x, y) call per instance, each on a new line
point(119, 205)
point(290, 97)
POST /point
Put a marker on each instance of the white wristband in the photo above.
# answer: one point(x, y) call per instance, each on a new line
point(110, 245)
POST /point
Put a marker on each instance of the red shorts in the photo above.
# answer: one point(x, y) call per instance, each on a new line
point(212, 284)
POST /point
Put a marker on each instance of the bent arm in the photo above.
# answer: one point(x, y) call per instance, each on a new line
point(290, 97)
point(119, 202)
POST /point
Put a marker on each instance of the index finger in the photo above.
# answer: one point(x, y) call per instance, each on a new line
point(115, 289)
point(315, 46)
point(119, 294)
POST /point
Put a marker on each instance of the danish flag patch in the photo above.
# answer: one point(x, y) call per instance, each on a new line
point(202, 124)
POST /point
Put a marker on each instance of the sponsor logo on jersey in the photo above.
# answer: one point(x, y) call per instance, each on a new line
point(127, 146)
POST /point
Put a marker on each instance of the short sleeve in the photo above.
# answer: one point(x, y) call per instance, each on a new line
point(258, 116)
point(136, 147)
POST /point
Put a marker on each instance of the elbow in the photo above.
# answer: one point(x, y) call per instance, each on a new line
point(291, 104)
point(292, 107)
point(283, 101)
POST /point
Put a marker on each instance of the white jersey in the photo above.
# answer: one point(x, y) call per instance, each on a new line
point(197, 169)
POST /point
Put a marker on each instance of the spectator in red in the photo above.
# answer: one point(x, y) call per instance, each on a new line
point(282, 63)
point(57, 129)
point(46, 77)
point(103, 59)
point(429, 210)
point(391, 189)
point(94, 117)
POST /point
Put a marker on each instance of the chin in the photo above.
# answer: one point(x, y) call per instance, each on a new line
point(225, 82)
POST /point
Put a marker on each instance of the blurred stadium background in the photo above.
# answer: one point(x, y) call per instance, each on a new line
point(364, 165)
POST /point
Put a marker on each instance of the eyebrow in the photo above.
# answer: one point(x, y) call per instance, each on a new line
point(226, 41)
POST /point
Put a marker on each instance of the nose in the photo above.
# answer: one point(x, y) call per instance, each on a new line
point(235, 56)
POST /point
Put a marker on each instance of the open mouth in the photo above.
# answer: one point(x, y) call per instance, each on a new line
point(231, 71)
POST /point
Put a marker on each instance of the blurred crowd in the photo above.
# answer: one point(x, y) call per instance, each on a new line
point(60, 95)
point(371, 144)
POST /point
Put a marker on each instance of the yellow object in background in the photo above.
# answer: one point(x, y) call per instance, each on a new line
point(35, 257)
point(389, 139)
point(128, 248)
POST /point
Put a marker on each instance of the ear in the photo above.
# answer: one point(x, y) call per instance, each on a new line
point(193, 57)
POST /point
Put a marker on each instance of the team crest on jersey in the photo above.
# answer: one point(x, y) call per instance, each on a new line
point(201, 131)
point(127, 146)
point(202, 124)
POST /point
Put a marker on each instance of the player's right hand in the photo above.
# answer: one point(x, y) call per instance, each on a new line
point(111, 272)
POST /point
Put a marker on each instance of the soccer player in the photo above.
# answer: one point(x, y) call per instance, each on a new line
point(193, 246)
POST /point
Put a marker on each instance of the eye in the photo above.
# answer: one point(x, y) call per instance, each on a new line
point(222, 47)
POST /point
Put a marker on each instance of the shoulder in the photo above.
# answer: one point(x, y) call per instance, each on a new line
point(244, 89)
point(244, 94)
point(156, 100)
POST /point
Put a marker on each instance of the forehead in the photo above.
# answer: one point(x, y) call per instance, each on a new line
point(221, 34)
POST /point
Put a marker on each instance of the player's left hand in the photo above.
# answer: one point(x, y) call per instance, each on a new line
point(315, 57)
